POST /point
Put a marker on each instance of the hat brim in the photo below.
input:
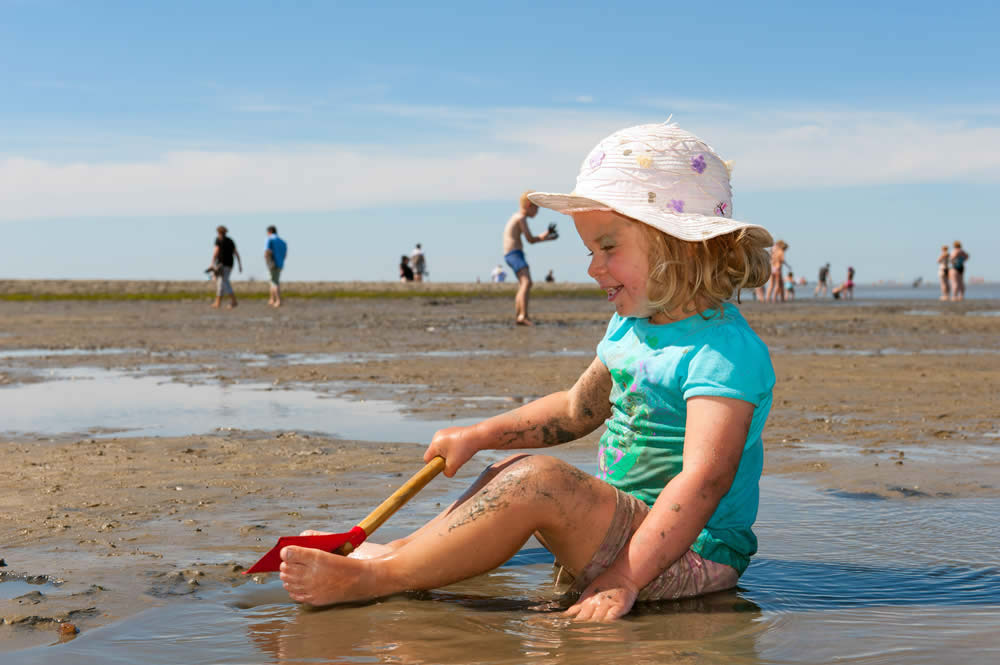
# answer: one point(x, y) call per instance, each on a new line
point(685, 226)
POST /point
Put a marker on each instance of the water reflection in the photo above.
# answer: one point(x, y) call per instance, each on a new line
point(838, 579)
point(462, 629)
point(105, 402)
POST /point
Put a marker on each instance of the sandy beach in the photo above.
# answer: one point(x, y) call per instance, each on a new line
point(893, 399)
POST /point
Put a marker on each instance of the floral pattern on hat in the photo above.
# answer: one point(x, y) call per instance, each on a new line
point(698, 164)
point(596, 159)
point(645, 161)
point(676, 204)
point(721, 209)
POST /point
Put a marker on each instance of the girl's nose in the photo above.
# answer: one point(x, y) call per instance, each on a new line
point(596, 266)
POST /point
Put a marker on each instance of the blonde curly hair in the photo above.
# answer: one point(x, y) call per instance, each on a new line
point(690, 276)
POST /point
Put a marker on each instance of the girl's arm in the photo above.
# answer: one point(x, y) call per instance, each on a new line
point(547, 421)
point(716, 431)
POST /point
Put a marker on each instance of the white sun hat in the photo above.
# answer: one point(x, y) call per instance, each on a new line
point(657, 174)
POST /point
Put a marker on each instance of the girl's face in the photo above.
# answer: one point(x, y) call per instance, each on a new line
point(619, 259)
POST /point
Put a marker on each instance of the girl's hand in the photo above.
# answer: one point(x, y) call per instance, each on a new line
point(456, 445)
point(608, 597)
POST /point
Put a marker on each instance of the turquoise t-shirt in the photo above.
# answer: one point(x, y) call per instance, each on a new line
point(656, 369)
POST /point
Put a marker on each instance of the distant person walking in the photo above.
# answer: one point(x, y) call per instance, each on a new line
point(274, 257)
point(222, 257)
point(824, 281)
point(498, 275)
point(776, 287)
point(405, 271)
point(958, 258)
point(418, 263)
point(550, 277)
point(517, 226)
point(944, 263)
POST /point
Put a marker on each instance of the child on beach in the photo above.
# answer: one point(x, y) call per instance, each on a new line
point(680, 380)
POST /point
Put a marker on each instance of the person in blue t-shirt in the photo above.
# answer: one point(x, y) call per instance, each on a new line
point(274, 256)
point(681, 383)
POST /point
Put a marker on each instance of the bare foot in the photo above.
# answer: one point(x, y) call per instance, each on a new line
point(319, 578)
point(368, 550)
point(524, 322)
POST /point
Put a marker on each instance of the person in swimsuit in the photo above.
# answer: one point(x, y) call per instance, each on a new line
point(847, 288)
point(776, 287)
point(513, 251)
point(944, 263)
point(958, 258)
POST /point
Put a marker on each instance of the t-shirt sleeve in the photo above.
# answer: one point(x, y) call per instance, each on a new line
point(731, 363)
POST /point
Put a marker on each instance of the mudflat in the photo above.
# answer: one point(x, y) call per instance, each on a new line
point(895, 399)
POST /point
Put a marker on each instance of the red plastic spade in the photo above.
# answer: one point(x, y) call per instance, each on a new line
point(345, 543)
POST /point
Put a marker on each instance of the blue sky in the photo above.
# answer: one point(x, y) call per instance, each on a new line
point(862, 133)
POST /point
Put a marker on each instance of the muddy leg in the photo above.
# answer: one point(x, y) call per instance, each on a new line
point(571, 510)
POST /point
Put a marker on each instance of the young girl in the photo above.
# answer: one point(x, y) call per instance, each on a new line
point(681, 382)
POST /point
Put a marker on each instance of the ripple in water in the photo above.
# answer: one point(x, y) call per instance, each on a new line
point(837, 580)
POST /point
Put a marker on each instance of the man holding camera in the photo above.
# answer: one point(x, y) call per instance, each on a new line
point(517, 226)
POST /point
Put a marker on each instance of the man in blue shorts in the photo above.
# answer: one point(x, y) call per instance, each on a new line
point(513, 254)
point(274, 255)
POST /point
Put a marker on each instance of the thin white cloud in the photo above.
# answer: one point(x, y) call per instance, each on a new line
point(271, 108)
point(511, 149)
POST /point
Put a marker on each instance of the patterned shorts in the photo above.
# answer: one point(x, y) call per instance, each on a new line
point(689, 576)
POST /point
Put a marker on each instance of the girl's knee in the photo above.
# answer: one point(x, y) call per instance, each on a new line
point(544, 473)
point(525, 469)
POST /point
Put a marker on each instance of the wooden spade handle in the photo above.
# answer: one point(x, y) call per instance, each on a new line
point(398, 498)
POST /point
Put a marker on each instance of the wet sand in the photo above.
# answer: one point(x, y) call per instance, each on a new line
point(897, 400)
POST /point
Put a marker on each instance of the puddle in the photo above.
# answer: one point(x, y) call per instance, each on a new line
point(45, 353)
point(984, 312)
point(888, 351)
point(12, 587)
point(887, 582)
point(923, 453)
point(260, 360)
point(113, 402)
point(922, 312)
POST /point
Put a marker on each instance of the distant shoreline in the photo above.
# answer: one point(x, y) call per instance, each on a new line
point(127, 289)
